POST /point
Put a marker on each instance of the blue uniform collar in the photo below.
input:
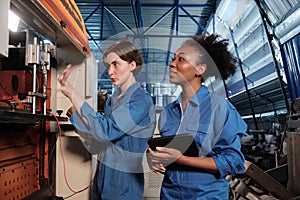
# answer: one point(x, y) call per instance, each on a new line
point(126, 96)
point(196, 99)
point(129, 90)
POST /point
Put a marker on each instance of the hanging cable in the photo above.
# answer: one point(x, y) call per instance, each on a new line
point(65, 167)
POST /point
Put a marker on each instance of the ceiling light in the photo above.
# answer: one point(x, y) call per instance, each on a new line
point(13, 21)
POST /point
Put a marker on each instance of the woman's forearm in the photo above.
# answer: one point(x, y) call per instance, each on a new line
point(77, 101)
point(69, 91)
point(206, 163)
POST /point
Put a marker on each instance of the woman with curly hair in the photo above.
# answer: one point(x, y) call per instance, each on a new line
point(213, 121)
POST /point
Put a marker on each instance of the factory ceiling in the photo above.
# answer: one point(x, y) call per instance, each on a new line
point(104, 19)
point(256, 88)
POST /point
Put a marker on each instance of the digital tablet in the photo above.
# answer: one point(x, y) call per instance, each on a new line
point(185, 143)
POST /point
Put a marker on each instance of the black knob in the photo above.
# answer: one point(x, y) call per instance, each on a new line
point(59, 112)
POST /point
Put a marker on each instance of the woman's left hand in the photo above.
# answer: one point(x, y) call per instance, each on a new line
point(166, 155)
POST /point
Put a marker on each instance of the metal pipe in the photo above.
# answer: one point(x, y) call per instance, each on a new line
point(289, 27)
point(276, 66)
point(45, 80)
point(34, 89)
point(46, 68)
point(293, 141)
point(244, 78)
point(33, 59)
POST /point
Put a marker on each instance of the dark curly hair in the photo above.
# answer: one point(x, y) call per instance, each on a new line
point(218, 54)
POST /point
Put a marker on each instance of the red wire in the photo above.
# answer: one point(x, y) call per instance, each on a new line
point(64, 163)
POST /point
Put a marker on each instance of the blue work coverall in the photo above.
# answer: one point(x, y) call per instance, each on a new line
point(217, 128)
point(120, 135)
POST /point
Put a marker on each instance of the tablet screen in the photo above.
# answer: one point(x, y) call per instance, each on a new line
point(185, 143)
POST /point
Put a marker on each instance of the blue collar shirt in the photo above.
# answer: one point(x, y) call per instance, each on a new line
point(217, 128)
point(120, 137)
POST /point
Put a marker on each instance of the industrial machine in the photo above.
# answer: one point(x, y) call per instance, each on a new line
point(42, 158)
point(36, 141)
point(279, 178)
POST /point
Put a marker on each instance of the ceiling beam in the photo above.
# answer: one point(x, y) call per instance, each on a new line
point(119, 19)
point(194, 20)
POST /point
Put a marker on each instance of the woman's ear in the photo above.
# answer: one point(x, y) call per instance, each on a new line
point(132, 65)
point(201, 68)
